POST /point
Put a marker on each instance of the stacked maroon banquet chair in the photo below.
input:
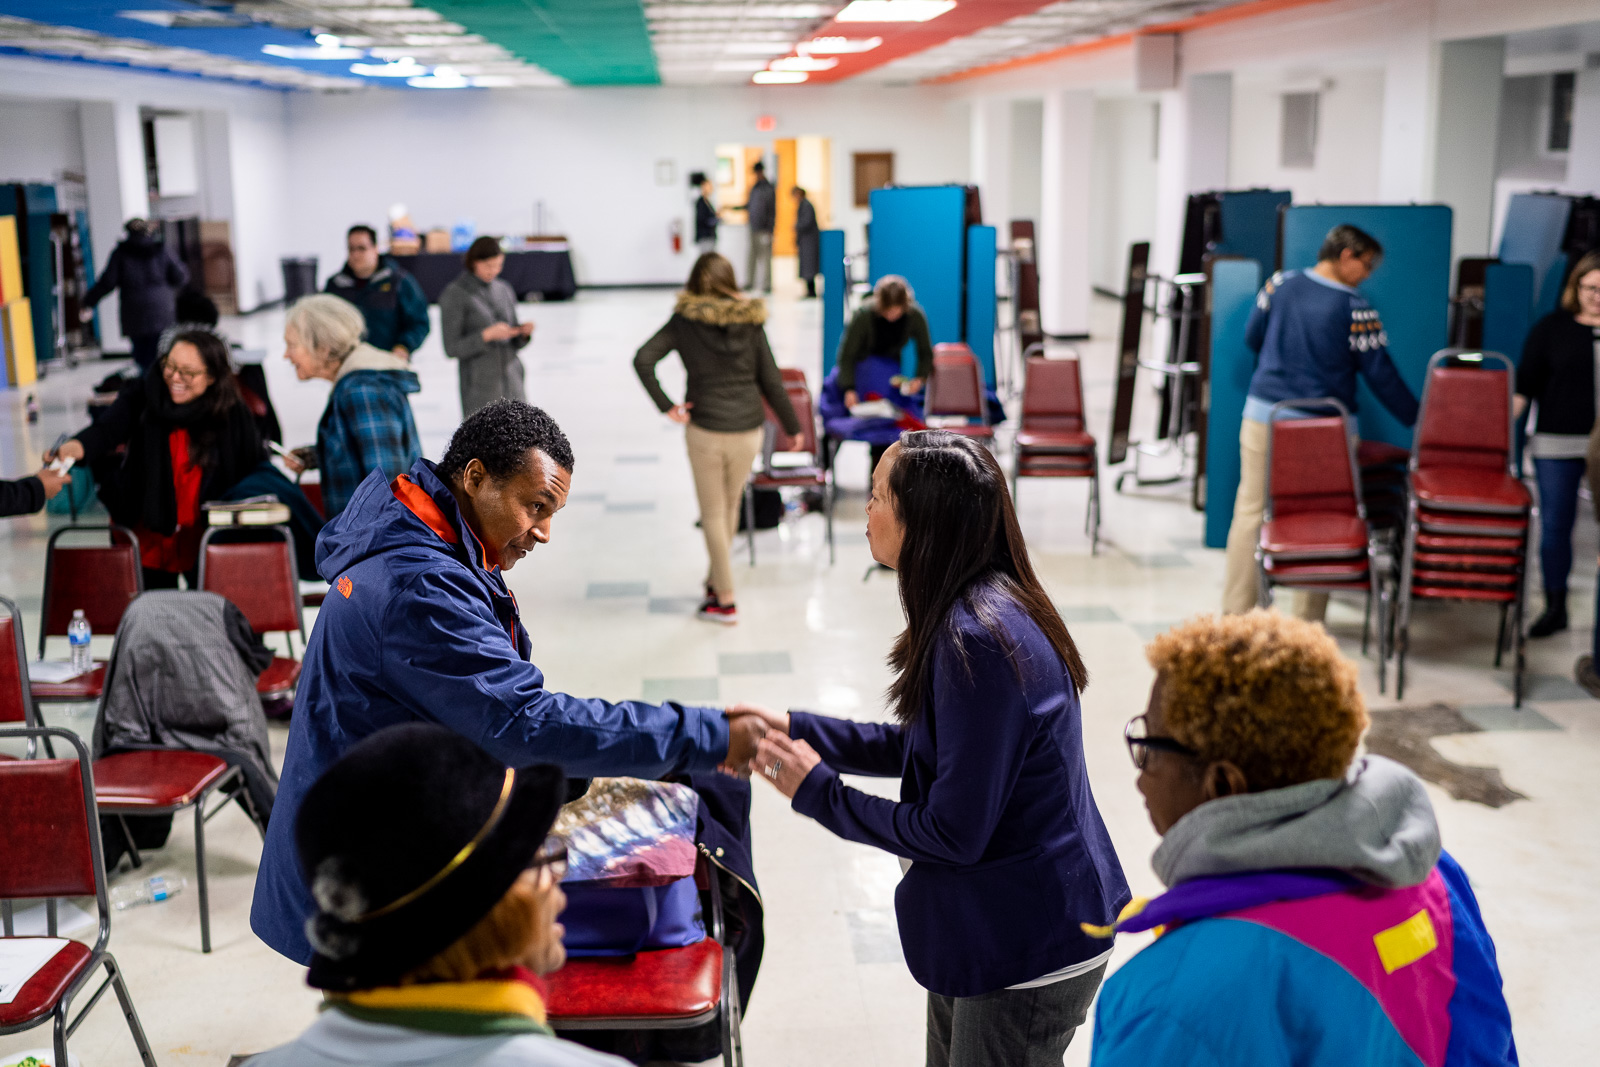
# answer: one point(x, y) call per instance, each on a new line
point(101, 578)
point(1468, 516)
point(1314, 531)
point(1052, 441)
point(807, 469)
point(954, 396)
point(1383, 484)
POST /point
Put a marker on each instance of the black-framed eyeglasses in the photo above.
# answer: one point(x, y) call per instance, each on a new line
point(1141, 743)
point(551, 855)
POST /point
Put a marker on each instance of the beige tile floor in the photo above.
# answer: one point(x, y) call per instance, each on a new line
point(606, 604)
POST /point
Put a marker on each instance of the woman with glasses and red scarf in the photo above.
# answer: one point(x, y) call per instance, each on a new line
point(1004, 850)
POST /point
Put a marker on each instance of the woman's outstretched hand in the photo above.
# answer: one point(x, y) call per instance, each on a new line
point(775, 720)
point(785, 762)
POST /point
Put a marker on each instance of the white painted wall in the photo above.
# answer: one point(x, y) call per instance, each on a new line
point(1122, 186)
point(1027, 151)
point(39, 139)
point(589, 155)
point(1350, 114)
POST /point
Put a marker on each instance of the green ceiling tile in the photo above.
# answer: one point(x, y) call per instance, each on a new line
point(587, 42)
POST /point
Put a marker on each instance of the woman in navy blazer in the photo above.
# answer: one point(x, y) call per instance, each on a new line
point(1004, 850)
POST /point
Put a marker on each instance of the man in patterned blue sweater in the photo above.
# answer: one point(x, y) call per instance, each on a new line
point(1313, 332)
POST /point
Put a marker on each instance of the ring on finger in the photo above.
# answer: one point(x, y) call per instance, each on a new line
point(773, 768)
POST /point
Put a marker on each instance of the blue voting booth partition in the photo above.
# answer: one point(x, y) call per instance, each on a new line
point(981, 297)
point(1410, 289)
point(919, 234)
point(1234, 283)
point(1508, 290)
point(835, 297)
point(1250, 224)
point(1534, 228)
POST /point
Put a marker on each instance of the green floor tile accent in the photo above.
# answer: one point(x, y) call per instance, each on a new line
point(1149, 631)
point(630, 507)
point(674, 605)
point(1545, 687)
point(754, 663)
point(587, 42)
point(1505, 717)
point(685, 690)
point(1071, 613)
point(604, 590)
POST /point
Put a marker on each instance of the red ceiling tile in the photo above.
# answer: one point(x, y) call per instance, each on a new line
point(907, 38)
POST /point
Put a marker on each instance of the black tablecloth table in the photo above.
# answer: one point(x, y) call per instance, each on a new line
point(547, 273)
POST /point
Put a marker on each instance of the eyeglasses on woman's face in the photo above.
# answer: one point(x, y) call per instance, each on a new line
point(1141, 743)
point(552, 856)
point(171, 370)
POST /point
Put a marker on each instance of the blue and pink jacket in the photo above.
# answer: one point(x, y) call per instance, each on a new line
point(1313, 968)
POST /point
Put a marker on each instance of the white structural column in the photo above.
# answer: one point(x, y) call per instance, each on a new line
point(1193, 142)
point(1583, 162)
point(114, 177)
point(991, 161)
point(1063, 233)
point(1406, 142)
point(1471, 74)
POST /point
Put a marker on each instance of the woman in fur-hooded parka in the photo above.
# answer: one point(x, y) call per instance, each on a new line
point(719, 335)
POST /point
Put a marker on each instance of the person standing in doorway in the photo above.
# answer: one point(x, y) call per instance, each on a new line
point(391, 301)
point(762, 210)
point(478, 320)
point(147, 278)
point(717, 332)
point(705, 216)
point(807, 240)
point(1314, 332)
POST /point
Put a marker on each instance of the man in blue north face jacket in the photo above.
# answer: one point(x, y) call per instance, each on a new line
point(419, 626)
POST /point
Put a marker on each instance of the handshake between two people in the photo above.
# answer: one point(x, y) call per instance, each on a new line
point(759, 742)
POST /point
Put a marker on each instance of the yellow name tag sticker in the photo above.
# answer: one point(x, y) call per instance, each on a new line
point(1406, 943)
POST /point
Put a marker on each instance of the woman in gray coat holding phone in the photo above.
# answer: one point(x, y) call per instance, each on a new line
point(478, 318)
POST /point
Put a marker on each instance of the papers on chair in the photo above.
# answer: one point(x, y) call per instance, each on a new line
point(21, 958)
point(53, 671)
point(875, 409)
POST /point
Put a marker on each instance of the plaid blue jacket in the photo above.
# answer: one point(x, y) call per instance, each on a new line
point(367, 426)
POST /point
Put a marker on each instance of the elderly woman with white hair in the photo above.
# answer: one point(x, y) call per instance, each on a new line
point(367, 424)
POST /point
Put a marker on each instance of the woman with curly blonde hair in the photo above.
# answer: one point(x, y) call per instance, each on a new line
point(1311, 916)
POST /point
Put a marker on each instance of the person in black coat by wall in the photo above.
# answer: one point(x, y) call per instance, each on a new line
point(148, 279)
point(807, 240)
point(705, 215)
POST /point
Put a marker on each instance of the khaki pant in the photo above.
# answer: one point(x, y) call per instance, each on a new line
point(1241, 584)
point(721, 465)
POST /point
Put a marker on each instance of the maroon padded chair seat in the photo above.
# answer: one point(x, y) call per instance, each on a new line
point(1055, 441)
point(780, 477)
point(1430, 542)
point(1464, 561)
point(1327, 571)
point(1381, 454)
point(156, 779)
point(1462, 523)
point(1470, 489)
point(83, 687)
point(1462, 592)
point(1055, 465)
point(39, 996)
point(1314, 535)
point(673, 985)
point(279, 677)
point(1494, 579)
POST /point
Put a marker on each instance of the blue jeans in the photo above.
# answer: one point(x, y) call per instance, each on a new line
point(1558, 511)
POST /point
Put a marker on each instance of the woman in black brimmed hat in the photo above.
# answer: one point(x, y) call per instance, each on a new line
point(437, 890)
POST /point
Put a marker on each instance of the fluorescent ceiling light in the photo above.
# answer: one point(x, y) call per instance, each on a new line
point(739, 66)
point(837, 46)
point(802, 63)
point(284, 51)
point(441, 78)
point(400, 68)
point(779, 77)
point(894, 10)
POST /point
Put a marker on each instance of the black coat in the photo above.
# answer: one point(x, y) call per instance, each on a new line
point(21, 497)
point(1557, 373)
point(705, 220)
point(137, 488)
point(763, 207)
point(148, 278)
point(808, 239)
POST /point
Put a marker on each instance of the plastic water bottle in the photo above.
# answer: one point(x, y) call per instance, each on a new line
point(150, 891)
point(78, 635)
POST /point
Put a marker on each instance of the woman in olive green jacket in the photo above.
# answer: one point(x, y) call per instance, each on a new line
point(718, 333)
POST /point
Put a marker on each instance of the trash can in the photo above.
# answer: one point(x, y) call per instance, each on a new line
point(299, 277)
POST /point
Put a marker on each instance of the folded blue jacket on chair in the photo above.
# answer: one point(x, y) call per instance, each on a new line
point(603, 920)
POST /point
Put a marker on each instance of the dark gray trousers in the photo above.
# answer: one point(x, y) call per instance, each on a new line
point(1010, 1027)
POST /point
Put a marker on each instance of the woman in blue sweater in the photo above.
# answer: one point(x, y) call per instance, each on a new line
point(1003, 848)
